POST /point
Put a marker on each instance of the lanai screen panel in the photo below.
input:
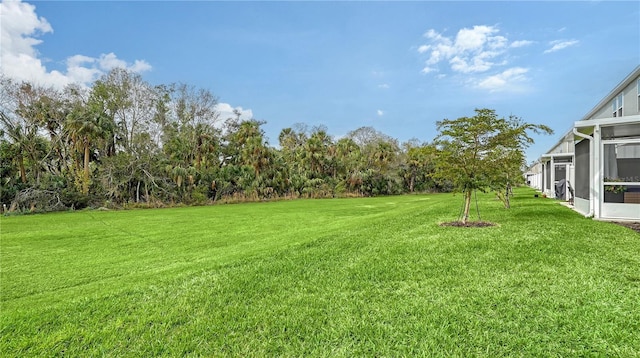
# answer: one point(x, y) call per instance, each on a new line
point(561, 172)
point(622, 160)
point(581, 185)
point(547, 166)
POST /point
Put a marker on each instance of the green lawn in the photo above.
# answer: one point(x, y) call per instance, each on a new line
point(335, 277)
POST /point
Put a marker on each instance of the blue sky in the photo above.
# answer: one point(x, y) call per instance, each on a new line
point(396, 66)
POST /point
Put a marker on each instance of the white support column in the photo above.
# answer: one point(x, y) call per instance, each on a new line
point(570, 180)
point(591, 170)
point(598, 168)
point(543, 180)
point(552, 186)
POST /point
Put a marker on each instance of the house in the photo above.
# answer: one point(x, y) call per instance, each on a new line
point(533, 175)
point(557, 164)
point(600, 156)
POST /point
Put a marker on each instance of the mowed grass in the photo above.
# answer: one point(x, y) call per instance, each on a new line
point(336, 277)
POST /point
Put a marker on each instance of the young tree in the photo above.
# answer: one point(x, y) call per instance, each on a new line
point(477, 153)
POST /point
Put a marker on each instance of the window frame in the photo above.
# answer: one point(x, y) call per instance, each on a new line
point(618, 103)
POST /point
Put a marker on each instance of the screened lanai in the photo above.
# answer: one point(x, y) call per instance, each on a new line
point(607, 167)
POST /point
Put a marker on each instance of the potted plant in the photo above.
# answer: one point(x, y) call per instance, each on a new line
point(614, 193)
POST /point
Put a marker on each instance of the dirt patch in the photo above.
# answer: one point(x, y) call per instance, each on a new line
point(469, 224)
point(631, 225)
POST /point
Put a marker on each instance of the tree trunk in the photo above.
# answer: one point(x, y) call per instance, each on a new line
point(85, 181)
point(507, 202)
point(412, 181)
point(23, 173)
point(467, 206)
point(146, 191)
point(60, 160)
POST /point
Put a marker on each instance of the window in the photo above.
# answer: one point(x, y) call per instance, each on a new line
point(617, 106)
point(638, 85)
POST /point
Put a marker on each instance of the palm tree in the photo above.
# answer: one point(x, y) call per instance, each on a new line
point(349, 163)
point(317, 152)
point(85, 125)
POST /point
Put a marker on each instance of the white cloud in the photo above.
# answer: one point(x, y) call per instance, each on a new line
point(497, 42)
point(434, 58)
point(423, 48)
point(560, 44)
point(478, 64)
point(20, 29)
point(80, 74)
point(110, 61)
point(520, 43)
point(475, 38)
point(19, 23)
point(383, 86)
point(473, 50)
point(107, 62)
point(380, 113)
point(226, 111)
point(140, 66)
point(507, 79)
point(428, 69)
point(79, 60)
point(433, 35)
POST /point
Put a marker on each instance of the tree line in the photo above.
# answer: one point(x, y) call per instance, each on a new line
point(123, 142)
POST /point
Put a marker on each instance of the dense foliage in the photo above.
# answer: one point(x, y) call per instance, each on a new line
point(123, 142)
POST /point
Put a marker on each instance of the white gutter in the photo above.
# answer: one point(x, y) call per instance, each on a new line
point(557, 155)
point(607, 121)
point(591, 164)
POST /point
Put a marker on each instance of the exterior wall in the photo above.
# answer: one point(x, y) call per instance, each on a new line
point(536, 168)
point(582, 206)
point(613, 211)
point(565, 145)
point(629, 102)
point(604, 112)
